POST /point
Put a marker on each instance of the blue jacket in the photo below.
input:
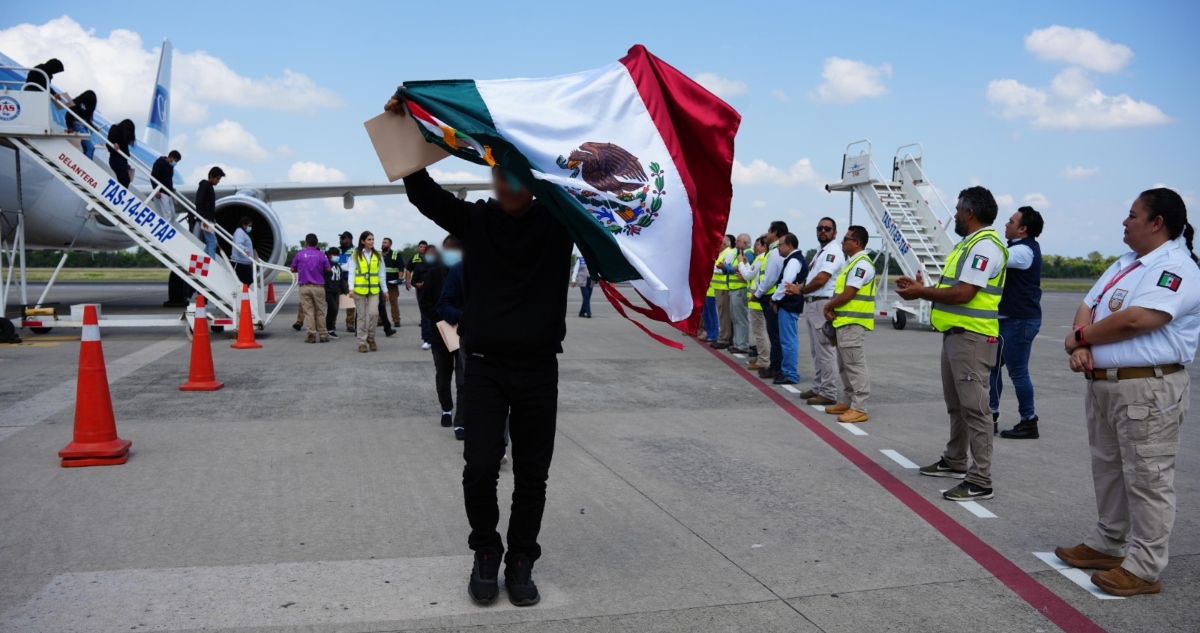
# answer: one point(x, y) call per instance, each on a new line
point(450, 304)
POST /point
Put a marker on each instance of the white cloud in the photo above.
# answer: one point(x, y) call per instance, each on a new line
point(455, 176)
point(121, 69)
point(308, 171)
point(1036, 200)
point(780, 96)
point(1005, 201)
point(1078, 46)
point(233, 175)
point(847, 80)
point(230, 138)
point(1079, 173)
point(759, 172)
point(759, 204)
point(1071, 103)
point(721, 86)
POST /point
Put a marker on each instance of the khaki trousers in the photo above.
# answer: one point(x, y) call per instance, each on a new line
point(852, 365)
point(367, 308)
point(394, 302)
point(758, 327)
point(312, 306)
point(724, 322)
point(351, 322)
point(967, 361)
point(825, 354)
point(739, 318)
point(1133, 430)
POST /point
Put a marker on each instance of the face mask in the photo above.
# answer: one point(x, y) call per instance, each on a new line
point(450, 258)
point(248, 229)
point(432, 259)
point(172, 163)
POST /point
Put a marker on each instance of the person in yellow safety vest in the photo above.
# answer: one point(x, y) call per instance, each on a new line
point(367, 286)
point(753, 271)
point(966, 304)
point(739, 313)
point(720, 287)
point(851, 312)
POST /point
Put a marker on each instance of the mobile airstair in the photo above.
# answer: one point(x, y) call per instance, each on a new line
point(27, 125)
point(912, 232)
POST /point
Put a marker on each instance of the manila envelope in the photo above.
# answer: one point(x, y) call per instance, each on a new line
point(449, 335)
point(345, 302)
point(399, 144)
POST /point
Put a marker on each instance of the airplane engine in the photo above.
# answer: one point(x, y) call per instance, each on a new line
point(267, 233)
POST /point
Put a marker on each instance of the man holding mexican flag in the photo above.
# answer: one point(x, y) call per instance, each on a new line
point(630, 163)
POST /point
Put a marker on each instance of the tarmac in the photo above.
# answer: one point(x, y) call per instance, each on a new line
point(316, 492)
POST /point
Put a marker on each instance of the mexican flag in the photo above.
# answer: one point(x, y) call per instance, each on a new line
point(634, 158)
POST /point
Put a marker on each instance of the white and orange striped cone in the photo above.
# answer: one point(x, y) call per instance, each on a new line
point(245, 339)
point(270, 293)
point(95, 442)
point(201, 376)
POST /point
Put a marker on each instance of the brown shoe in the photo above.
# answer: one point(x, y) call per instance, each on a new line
point(373, 346)
point(1084, 557)
point(324, 339)
point(1122, 582)
point(362, 348)
point(753, 365)
point(312, 338)
point(852, 416)
point(808, 394)
point(837, 409)
point(820, 400)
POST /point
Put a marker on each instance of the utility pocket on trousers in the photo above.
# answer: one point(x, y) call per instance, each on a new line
point(1152, 459)
point(1142, 420)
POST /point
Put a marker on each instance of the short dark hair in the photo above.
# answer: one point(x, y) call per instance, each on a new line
point(858, 233)
point(778, 227)
point(216, 172)
point(175, 154)
point(245, 220)
point(333, 250)
point(1031, 220)
point(831, 221)
point(422, 242)
point(387, 238)
point(731, 238)
point(310, 239)
point(981, 201)
point(790, 240)
point(451, 242)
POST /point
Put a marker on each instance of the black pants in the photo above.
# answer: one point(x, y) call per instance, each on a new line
point(446, 363)
point(120, 168)
point(384, 321)
point(771, 318)
point(331, 310)
point(245, 272)
point(521, 389)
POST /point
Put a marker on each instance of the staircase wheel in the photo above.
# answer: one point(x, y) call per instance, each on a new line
point(8, 332)
point(899, 320)
point(40, 330)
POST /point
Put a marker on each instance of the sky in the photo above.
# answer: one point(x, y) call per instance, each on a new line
point(1071, 107)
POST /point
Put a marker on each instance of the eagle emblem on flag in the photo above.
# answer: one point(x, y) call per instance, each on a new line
point(629, 201)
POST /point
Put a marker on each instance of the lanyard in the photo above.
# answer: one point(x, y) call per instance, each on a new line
point(1112, 282)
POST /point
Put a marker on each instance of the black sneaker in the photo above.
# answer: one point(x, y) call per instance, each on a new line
point(333, 334)
point(783, 380)
point(460, 433)
point(297, 325)
point(446, 420)
point(1024, 430)
point(483, 587)
point(995, 423)
point(942, 469)
point(389, 332)
point(518, 581)
point(967, 491)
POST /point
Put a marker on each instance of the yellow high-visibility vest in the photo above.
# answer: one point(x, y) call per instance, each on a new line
point(761, 262)
point(860, 309)
point(980, 314)
point(366, 275)
point(720, 281)
point(736, 282)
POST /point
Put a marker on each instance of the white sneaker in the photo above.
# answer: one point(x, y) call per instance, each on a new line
point(425, 346)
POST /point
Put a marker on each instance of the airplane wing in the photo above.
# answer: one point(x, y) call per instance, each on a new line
point(282, 192)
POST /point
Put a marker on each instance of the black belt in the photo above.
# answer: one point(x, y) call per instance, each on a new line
point(1125, 373)
point(812, 299)
point(960, 330)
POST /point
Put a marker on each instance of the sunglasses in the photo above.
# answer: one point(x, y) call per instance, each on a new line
point(824, 229)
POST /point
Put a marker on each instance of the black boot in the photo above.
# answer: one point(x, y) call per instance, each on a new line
point(518, 581)
point(995, 423)
point(1024, 430)
point(484, 587)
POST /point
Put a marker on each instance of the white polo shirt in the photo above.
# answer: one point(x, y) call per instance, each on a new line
point(1166, 279)
point(827, 260)
point(863, 273)
point(983, 262)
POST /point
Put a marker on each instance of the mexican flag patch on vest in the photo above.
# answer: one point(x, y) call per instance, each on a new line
point(979, 263)
point(1169, 281)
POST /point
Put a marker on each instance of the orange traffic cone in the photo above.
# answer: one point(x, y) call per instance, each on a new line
point(96, 442)
point(245, 339)
point(270, 293)
point(201, 376)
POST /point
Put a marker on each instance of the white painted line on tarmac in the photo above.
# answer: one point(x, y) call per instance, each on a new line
point(791, 389)
point(1077, 576)
point(854, 430)
point(898, 458)
point(819, 407)
point(740, 355)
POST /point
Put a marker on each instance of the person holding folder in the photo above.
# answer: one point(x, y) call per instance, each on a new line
point(445, 291)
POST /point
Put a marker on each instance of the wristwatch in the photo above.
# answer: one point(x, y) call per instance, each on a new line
point(1079, 338)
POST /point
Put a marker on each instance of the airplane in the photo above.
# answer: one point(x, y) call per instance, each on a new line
point(57, 219)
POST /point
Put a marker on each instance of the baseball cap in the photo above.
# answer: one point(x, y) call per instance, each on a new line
point(347, 234)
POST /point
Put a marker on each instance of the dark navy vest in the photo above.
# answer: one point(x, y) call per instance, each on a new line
point(793, 303)
point(1022, 298)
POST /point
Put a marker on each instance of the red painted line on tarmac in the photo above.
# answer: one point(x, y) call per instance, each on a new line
point(1048, 603)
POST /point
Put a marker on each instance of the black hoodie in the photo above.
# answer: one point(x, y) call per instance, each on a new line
point(41, 82)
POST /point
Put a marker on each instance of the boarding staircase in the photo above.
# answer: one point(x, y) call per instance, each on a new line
point(912, 232)
point(34, 132)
